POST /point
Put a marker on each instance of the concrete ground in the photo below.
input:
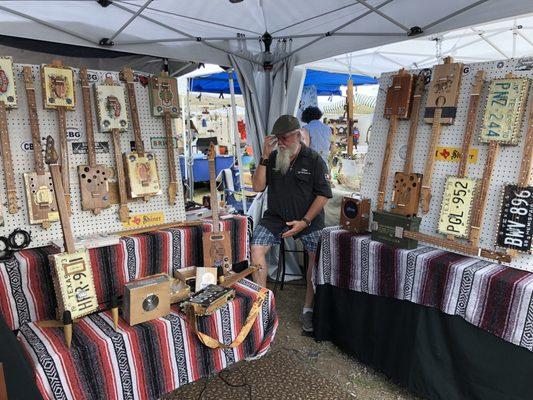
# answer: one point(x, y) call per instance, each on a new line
point(359, 380)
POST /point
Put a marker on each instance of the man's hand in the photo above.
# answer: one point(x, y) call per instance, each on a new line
point(296, 226)
point(269, 144)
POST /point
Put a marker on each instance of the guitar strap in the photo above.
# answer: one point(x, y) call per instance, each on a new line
point(213, 343)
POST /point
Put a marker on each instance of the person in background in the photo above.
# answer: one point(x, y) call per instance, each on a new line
point(298, 189)
point(316, 134)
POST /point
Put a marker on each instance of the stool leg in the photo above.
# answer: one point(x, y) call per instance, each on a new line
point(278, 271)
point(283, 263)
point(306, 263)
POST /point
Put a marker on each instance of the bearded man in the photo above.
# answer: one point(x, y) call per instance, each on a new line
point(298, 189)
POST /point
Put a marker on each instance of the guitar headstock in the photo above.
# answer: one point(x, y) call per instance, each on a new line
point(398, 101)
point(50, 155)
point(28, 77)
point(127, 75)
point(211, 153)
point(84, 77)
point(421, 81)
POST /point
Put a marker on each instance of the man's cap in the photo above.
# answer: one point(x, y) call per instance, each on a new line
point(285, 124)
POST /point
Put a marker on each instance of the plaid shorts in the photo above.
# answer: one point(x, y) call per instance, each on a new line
point(263, 237)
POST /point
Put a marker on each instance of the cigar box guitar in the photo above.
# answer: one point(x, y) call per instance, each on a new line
point(42, 206)
point(459, 191)
point(58, 94)
point(501, 125)
point(164, 102)
point(397, 106)
point(8, 100)
point(71, 271)
point(93, 177)
point(441, 108)
point(141, 166)
point(407, 184)
point(113, 118)
point(216, 244)
point(515, 229)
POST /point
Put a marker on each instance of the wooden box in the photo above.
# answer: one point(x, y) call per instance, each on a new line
point(384, 225)
point(146, 299)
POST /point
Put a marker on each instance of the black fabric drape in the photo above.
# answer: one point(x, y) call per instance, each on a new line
point(435, 355)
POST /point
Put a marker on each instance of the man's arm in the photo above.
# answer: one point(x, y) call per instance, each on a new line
point(259, 178)
point(297, 226)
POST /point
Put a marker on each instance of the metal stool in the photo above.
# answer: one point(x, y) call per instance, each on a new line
point(282, 268)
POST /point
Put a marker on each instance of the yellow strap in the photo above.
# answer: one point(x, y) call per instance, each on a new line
point(252, 316)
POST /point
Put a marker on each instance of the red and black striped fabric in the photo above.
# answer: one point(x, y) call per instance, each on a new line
point(493, 297)
point(26, 289)
point(147, 360)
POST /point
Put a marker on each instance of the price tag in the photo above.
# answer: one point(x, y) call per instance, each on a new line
point(515, 230)
point(456, 206)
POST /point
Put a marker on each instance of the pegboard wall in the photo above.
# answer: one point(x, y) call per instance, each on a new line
point(83, 222)
point(507, 163)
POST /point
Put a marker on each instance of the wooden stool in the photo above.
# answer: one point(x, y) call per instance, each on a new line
point(282, 268)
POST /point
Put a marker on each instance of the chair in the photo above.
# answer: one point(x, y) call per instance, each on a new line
point(282, 267)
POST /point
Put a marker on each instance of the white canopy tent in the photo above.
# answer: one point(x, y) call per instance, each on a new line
point(500, 40)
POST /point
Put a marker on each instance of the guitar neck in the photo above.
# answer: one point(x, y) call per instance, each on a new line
point(9, 174)
point(34, 124)
point(170, 146)
point(430, 160)
point(88, 116)
point(214, 197)
point(456, 246)
point(386, 162)
point(121, 177)
point(481, 198)
point(415, 111)
point(139, 148)
point(524, 178)
point(62, 126)
point(55, 171)
point(470, 125)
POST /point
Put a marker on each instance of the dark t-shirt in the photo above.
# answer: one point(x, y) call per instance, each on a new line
point(291, 195)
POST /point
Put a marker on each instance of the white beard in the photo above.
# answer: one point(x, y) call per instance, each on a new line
point(283, 158)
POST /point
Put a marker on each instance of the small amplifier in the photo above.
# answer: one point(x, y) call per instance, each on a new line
point(355, 214)
point(146, 299)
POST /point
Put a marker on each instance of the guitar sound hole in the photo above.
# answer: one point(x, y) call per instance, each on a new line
point(83, 176)
point(414, 184)
point(89, 180)
point(86, 169)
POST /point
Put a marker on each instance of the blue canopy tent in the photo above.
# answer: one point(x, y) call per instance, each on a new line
point(327, 83)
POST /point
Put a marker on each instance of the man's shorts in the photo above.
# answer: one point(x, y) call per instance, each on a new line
point(263, 237)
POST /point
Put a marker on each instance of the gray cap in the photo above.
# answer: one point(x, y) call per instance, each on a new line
point(284, 125)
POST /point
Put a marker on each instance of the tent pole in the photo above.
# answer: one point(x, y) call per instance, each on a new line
point(382, 14)
point(189, 157)
point(129, 21)
point(237, 137)
point(460, 11)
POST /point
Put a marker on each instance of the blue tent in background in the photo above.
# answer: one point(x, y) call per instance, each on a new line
point(327, 83)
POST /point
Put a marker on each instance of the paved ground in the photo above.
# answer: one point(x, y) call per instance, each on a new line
point(358, 380)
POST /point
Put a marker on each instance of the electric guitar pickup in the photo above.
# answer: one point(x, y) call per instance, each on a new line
point(42, 206)
point(113, 118)
point(8, 100)
point(71, 272)
point(94, 186)
point(58, 94)
point(515, 229)
point(459, 191)
point(502, 122)
point(141, 166)
point(406, 192)
point(216, 244)
point(397, 106)
point(441, 108)
point(164, 102)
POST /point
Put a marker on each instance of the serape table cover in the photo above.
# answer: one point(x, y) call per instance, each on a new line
point(493, 297)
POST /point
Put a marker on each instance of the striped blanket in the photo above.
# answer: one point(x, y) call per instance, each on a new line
point(147, 360)
point(26, 289)
point(490, 296)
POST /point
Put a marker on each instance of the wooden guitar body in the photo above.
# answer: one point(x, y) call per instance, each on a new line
point(406, 193)
point(94, 187)
point(141, 174)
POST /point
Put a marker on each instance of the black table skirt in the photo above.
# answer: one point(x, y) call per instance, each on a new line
point(435, 355)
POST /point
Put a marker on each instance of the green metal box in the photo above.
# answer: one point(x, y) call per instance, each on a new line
point(383, 229)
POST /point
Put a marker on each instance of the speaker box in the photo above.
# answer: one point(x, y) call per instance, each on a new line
point(146, 299)
point(355, 214)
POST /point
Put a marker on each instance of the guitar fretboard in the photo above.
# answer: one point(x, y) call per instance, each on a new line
point(34, 121)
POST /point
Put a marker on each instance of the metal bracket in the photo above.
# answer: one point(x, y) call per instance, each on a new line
point(415, 30)
point(106, 42)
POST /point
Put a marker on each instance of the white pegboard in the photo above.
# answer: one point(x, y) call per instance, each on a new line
point(507, 163)
point(83, 222)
